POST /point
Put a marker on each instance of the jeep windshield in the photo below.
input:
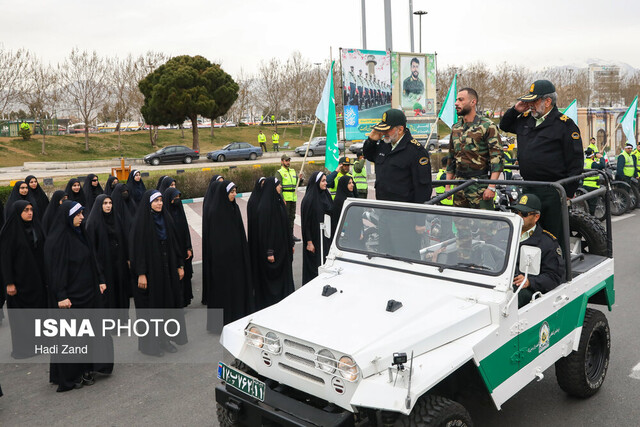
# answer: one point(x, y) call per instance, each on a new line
point(448, 239)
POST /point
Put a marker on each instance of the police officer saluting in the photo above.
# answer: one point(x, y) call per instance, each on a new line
point(549, 148)
point(403, 169)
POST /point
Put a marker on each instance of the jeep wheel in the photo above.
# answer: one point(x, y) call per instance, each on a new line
point(582, 372)
point(590, 231)
point(155, 161)
point(436, 411)
point(225, 417)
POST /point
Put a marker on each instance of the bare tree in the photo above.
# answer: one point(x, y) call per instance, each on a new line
point(125, 92)
point(271, 88)
point(478, 77)
point(243, 104)
point(296, 79)
point(12, 69)
point(40, 93)
point(630, 87)
point(146, 64)
point(84, 78)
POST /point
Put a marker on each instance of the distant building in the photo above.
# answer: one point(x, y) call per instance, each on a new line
point(603, 124)
point(604, 81)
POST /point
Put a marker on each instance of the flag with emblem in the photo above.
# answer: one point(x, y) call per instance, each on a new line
point(572, 111)
point(448, 111)
point(629, 121)
point(326, 113)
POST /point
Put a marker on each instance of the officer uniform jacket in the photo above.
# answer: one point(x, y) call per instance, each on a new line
point(552, 265)
point(548, 152)
point(402, 175)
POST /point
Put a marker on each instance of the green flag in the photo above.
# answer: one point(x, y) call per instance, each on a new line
point(326, 113)
point(629, 121)
point(572, 111)
point(448, 111)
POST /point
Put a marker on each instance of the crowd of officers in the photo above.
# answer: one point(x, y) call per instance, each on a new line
point(364, 90)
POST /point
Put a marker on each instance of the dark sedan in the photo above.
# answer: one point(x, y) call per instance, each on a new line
point(235, 151)
point(172, 154)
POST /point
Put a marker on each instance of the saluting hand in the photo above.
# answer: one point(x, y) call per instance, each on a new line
point(375, 135)
point(11, 290)
point(521, 106)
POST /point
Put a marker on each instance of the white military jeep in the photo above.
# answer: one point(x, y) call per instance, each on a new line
point(401, 322)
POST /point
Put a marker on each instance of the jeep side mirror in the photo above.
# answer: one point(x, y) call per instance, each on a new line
point(530, 259)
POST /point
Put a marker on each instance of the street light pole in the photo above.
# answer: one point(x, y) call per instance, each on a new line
point(420, 13)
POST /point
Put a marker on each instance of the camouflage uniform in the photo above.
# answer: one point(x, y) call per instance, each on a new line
point(475, 151)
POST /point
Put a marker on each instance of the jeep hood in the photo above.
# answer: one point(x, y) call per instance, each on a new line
point(354, 321)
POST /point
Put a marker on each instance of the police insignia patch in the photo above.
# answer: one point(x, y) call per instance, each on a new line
point(575, 135)
point(564, 118)
point(533, 85)
point(523, 200)
point(384, 117)
point(525, 114)
point(423, 161)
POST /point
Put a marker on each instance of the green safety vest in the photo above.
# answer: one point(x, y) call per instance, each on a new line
point(262, 137)
point(629, 168)
point(275, 138)
point(360, 179)
point(507, 156)
point(442, 174)
point(333, 189)
point(635, 153)
point(593, 147)
point(591, 181)
point(289, 180)
point(24, 125)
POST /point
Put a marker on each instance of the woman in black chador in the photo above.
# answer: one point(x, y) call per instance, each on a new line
point(92, 189)
point(214, 183)
point(158, 266)
point(107, 238)
point(22, 266)
point(173, 205)
point(136, 186)
point(75, 283)
point(227, 257)
point(38, 194)
point(345, 189)
point(315, 204)
point(112, 181)
point(74, 191)
point(57, 198)
point(20, 191)
point(274, 247)
point(165, 183)
point(123, 206)
point(252, 225)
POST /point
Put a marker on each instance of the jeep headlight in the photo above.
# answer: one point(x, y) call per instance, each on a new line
point(272, 343)
point(326, 361)
point(347, 368)
point(254, 337)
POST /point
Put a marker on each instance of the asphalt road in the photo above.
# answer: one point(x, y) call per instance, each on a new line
point(173, 393)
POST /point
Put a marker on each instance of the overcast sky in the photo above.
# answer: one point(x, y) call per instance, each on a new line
point(241, 33)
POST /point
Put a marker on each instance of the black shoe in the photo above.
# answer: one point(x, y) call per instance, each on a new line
point(87, 379)
point(297, 239)
point(168, 347)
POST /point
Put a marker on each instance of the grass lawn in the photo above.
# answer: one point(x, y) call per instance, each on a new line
point(16, 151)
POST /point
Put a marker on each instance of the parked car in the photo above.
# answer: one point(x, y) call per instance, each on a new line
point(235, 151)
point(435, 143)
point(356, 147)
point(317, 147)
point(171, 154)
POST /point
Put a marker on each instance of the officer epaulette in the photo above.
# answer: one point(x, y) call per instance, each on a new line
point(564, 117)
point(551, 235)
point(415, 141)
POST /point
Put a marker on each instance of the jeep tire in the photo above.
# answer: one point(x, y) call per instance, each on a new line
point(435, 411)
point(590, 231)
point(582, 372)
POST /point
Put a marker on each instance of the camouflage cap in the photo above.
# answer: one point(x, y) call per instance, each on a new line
point(391, 118)
point(538, 89)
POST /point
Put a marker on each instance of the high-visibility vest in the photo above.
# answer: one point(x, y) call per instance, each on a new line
point(262, 137)
point(442, 174)
point(507, 156)
point(333, 189)
point(289, 180)
point(275, 138)
point(635, 153)
point(591, 181)
point(593, 148)
point(360, 179)
point(629, 168)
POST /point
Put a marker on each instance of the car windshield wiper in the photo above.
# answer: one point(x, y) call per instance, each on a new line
point(472, 266)
point(394, 257)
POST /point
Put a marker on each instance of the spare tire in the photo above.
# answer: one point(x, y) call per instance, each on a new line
point(590, 231)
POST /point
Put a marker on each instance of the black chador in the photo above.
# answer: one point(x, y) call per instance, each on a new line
point(156, 263)
point(274, 247)
point(23, 278)
point(252, 226)
point(173, 205)
point(75, 192)
point(136, 186)
point(165, 183)
point(227, 257)
point(16, 194)
point(107, 238)
point(214, 183)
point(123, 206)
point(353, 231)
point(160, 182)
point(92, 189)
point(112, 181)
point(74, 283)
point(315, 204)
point(57, 198)
point(38, 194)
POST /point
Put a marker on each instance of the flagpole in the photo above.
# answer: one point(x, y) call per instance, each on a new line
point(304, 161)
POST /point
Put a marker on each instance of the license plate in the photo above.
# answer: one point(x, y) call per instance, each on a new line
point(241, 381)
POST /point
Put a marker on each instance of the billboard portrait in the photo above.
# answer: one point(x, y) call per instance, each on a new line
point(366, 90)
point(413, 79)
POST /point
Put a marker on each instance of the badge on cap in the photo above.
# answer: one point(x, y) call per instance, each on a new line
point(533, 85)
point(384, 117)
point(523, 200)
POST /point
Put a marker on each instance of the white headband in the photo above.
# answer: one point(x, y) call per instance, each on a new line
point(75, 209)
point(154, 196)
point(230, 186)
point(319, 177)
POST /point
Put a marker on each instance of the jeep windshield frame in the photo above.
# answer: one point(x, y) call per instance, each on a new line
point(399, 240)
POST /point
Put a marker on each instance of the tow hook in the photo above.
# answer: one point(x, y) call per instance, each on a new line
point(234, 406)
